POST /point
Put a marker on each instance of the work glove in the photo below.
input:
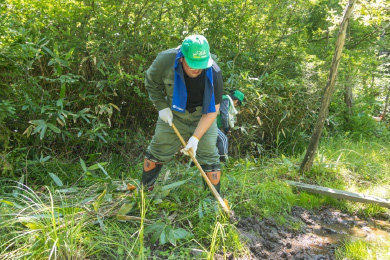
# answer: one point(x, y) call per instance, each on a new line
point(192, 144)
point(166, 115)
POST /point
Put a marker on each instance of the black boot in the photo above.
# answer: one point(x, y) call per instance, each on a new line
point(151, 171)
point(213, 173)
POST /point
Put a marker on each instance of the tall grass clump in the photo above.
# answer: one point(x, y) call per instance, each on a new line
point(363, 163)
point(362, 250)
point(39, 225)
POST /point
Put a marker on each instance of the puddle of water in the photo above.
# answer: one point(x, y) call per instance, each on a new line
point(324, 235)
point(336, 232)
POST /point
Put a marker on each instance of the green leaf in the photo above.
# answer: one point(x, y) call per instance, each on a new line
point(83, 165)
point(125, 208)
point(43, 131)
point(173, 185)
point(87, 200)
point(14, 204)
point(96, 166)
point(171, 235)
point(101, 137)
point(70, 190)
point(62, 91)
point(101, 223)
point(101, 168)
point(182, 233)
point(55, 49)
point(34, 226)
point(200, 211)
point(86, 119)
point(48, 51)
point(157, 233)
point(163, 237)
point(44, 159)
point(156, 229)
point(69, 54)
point(54, 128)
point(60, 103)
point(56, 179)
point(39, 125)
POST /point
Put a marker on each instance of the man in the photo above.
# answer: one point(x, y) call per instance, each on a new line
point(185, 84)
point(226, 120)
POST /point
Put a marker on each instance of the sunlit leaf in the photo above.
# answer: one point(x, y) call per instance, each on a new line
point(125, 208)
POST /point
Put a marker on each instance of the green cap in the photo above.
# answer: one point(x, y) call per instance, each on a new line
point(239, 95)
point(196, 51)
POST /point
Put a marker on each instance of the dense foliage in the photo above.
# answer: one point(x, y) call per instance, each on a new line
point(75, 120)
point(71, 71)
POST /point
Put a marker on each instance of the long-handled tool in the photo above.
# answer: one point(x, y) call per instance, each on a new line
point(223, 203)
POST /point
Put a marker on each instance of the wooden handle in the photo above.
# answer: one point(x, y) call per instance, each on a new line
point(209, 184)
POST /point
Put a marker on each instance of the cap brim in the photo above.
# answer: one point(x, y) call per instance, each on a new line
point(199, 64)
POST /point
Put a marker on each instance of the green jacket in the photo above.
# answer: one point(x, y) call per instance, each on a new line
point(159, 79)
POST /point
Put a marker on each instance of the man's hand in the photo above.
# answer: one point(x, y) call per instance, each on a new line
point(166, 115)
point(192, 144)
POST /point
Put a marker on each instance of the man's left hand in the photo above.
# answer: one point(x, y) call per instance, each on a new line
point(192, 144)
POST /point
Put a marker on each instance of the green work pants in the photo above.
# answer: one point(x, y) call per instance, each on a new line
point(165, 142)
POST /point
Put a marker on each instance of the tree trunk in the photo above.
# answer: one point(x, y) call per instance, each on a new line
point(386, 104)
point(348, 97)
point(307, 162)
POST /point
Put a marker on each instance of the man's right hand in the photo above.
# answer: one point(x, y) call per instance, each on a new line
point(166, 115)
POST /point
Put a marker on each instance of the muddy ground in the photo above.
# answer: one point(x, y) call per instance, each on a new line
point(317, 237)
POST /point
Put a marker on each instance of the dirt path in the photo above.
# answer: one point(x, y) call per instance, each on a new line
point(316, 239)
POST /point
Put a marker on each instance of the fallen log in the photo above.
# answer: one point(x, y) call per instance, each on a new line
point(340, 194)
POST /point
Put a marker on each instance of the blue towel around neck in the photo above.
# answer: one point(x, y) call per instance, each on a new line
point(179, 100)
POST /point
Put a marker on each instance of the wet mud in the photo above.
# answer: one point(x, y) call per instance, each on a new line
point(316, 236)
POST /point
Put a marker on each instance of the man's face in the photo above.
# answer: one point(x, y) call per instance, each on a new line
point(192, 73)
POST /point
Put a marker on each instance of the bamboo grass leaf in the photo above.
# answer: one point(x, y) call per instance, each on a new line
point(56, 179)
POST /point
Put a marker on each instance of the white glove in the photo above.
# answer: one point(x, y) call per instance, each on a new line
point(192, 144)
point(166, 115)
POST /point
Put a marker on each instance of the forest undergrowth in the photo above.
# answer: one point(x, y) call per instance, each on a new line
point(90, 210)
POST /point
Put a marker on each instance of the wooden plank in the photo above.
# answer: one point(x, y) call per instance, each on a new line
point(340, 194)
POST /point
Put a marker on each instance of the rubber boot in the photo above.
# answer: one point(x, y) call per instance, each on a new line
point(213, 173)
point(151, 171)
point(223, 158)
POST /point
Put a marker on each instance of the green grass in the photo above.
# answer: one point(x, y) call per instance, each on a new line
point(363, 250)
point(78, 219)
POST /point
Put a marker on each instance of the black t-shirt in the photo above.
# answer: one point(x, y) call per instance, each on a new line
point(195, 90)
